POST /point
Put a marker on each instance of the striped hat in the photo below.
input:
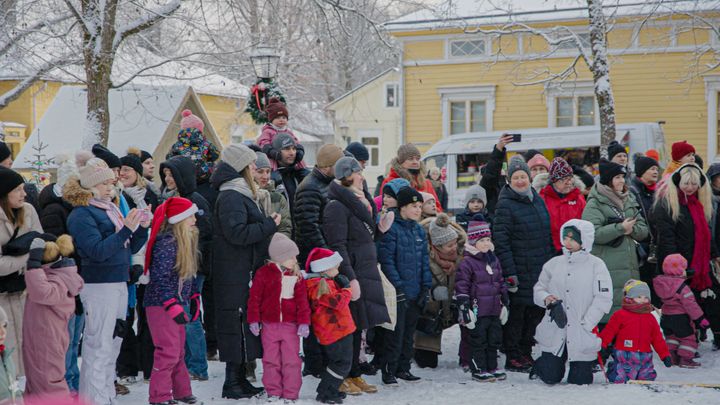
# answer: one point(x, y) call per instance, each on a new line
point(478, 230)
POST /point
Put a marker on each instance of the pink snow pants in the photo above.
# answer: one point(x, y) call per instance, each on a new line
point(169, 378)
point(684, 347)
point(281, 360)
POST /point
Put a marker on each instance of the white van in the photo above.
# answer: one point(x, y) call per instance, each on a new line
point(462, 155)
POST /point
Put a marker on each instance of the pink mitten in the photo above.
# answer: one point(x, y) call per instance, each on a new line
point(386, 221)
point(354, 290)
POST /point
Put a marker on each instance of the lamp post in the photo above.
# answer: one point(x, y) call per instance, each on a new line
point(265, 59)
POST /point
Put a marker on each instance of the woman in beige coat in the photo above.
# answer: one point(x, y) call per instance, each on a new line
point(16, 219)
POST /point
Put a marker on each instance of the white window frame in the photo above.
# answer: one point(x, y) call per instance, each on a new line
point(571, 46)
point(484, 93)
point(450, 40)
point(553, 91)
point(371, 133)
point(712, 89)
point(396, 86)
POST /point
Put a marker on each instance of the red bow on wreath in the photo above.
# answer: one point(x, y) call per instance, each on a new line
point(256, 89)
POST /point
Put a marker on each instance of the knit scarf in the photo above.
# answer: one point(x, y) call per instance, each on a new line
point(111, 210)
point(617, 199)
point(360, 196)
point(138, 196)
point(446, 261)
point(701, 251)
point(528, 192)
point(651, 188)
point(629, 304)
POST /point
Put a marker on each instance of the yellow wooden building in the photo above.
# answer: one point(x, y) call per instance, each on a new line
point(455, 80)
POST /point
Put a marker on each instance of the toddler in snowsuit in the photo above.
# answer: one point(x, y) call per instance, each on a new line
point(480, 287)
point(172, 262)
point(475, 203)
point(278, 311)
point(680, 312)
point(634, 330)
point(332, 322)
point(9, 386)
point(277, 115)
point(52, 285)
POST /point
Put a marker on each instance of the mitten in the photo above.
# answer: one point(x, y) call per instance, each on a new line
point(700, 323)
point(303, 330)
point(440, 293)
point(386, 221)
point(299, 153)
point(354, 290)
point(512, 283)
point(194, 307)
point(557, 313)
point(136, 270)
point(342, 281)
point(255, 328)
point(504, 315)
point(176, 311)
point(272, 152)
point(667, 361)
point(37, 250)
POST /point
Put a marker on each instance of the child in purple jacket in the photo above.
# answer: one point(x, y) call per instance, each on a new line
point(480, 288)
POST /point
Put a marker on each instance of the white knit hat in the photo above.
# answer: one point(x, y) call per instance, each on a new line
point(94, 172)
point(66, 168)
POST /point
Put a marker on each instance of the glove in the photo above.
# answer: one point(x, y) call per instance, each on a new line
point(504, 315)
point(136, 270)
point(557, 314)
point(194, 307)
point(512, 283)
point(440, 293)
point(176, 311)
point(667, 361)
point(700, 323)
point(272, 152)
point(303, 330)
point(255, 328)
point(299, 153)
point(423, 298)
point(37, 250)
point(342, 281)
point(354, 290)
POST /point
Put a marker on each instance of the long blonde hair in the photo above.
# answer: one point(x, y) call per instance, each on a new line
point(186, 237)
point(246, 173)
point(689, 174)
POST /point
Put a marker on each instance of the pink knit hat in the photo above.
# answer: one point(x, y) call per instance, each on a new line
point(191, 120)
point(674, 265)
point(539, 160)
point(427, 196)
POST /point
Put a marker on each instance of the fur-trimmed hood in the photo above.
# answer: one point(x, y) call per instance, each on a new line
point(75, 194)
point(543, 179)
point(417, 182)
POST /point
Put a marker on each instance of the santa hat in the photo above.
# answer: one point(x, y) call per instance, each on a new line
point(175, 209)
point(321, 259)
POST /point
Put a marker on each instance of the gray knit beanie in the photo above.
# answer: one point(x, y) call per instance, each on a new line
point(238, 156)
point(346, 166)
point(517, 163)
point(262, 161)
point(441, 232)
point(476, 192)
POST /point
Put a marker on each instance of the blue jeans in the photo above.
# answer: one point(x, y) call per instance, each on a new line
point(72, 372)
point(195, 346)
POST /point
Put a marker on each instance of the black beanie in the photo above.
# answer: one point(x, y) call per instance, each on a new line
point(699, 161)
point(145, 155)
point(643, 164)
point(584, 176)
point(9, 179)
point(614, 148)
point(132, 160)
point(608, 170)
point(408, 195)
point(531, 154)
point(358, 151)
point(5, 152)
point(104, 153)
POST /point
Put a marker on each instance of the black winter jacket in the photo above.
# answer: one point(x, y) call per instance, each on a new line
point(521, 231)
point(645, 198)
point(464, 219)
point(290, 179)
point(241, 236)
point(310, 200)
point(349, 228)
point(492, 179)
point(53, 211)
point(183, 172)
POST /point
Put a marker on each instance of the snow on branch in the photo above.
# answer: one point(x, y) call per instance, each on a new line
point(145, 22)
point(13, 40)
point(12, 94)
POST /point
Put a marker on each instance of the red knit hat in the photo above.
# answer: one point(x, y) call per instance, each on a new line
point(674, 265)
point(321, 259)
point(559, 169)
point(175, 209)
point(653, 153)
point(680, 149)
point(276, 108)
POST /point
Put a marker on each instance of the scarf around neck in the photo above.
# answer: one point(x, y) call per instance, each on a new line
point(446, 261)
point(701, 251)
point(617, 199)
point(111, 210)
point(528, 193)
point(138, 196)
point(629, 305)
point(240, 185)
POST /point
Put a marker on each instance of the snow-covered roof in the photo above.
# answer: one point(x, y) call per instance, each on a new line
point(462, 13)
point(372, 79)
point(12, 124)
point(139, 117)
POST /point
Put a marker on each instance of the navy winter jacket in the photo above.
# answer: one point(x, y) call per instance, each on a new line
point(521, 231)
point(104, 255)
point(404, 258)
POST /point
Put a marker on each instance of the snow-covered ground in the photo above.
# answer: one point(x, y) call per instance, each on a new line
point(449, 385)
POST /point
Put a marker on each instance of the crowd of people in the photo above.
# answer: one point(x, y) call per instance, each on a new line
point(245, 254)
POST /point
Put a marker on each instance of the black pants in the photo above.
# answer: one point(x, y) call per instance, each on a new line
point(128, 361)
point(485, 340)
point(519, 331)
point(377, 344)
point(551, 369)
point(137, 349)
point(315, 361)
point(146, 348)
point(357, 343)
point(208, 302)
point(339, 358)
point(398, 350)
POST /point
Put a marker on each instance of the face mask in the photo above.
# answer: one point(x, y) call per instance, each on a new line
point(414, 171)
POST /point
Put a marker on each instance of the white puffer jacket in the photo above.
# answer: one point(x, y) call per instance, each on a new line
point(583, 283)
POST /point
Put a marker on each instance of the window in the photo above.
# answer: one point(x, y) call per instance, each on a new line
point(465, 48)
point(467, 109)
point(467, 116)
point(392, 91)
point(712, 94)
point(373, 146)
point(570, 43)
point(571, 104)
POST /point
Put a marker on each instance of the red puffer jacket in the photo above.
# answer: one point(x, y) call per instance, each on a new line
point(634, 332)
point(561, 210)
point(267, 303)
point(331, 317)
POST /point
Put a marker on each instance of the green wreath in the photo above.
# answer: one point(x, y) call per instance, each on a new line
point(260, 94)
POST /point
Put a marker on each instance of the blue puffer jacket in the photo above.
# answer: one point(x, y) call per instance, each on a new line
point(521, 231)
point(404, 258)
point(104, 256)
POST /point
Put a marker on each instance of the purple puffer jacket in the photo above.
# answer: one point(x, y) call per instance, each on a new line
point(474, 280)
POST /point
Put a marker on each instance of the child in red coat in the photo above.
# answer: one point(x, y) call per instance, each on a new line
point(635, 332)
point(680, 312)
point(332, 322)
point(278, 307)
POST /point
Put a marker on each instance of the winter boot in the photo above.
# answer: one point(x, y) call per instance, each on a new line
point(517, 365)
point(169, 402)
point(121, 389)
point(483, 376)
point(368, 369)
point(364, 386)
point(688, 363)
point(499, 374)
point(716, 342)
point(388, 378)
point(426, 358)
point(349, 388)
point(236, 385)
point(407, 376)
point(190, 399)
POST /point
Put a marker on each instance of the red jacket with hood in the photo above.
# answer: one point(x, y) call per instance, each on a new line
point(634, 332)
point(561, 210)
point(268, 303)
point(427, 188)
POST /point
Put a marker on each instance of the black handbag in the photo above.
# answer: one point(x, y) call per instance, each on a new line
point(14, 282)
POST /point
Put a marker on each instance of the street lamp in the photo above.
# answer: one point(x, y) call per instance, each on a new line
point(265, 60)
